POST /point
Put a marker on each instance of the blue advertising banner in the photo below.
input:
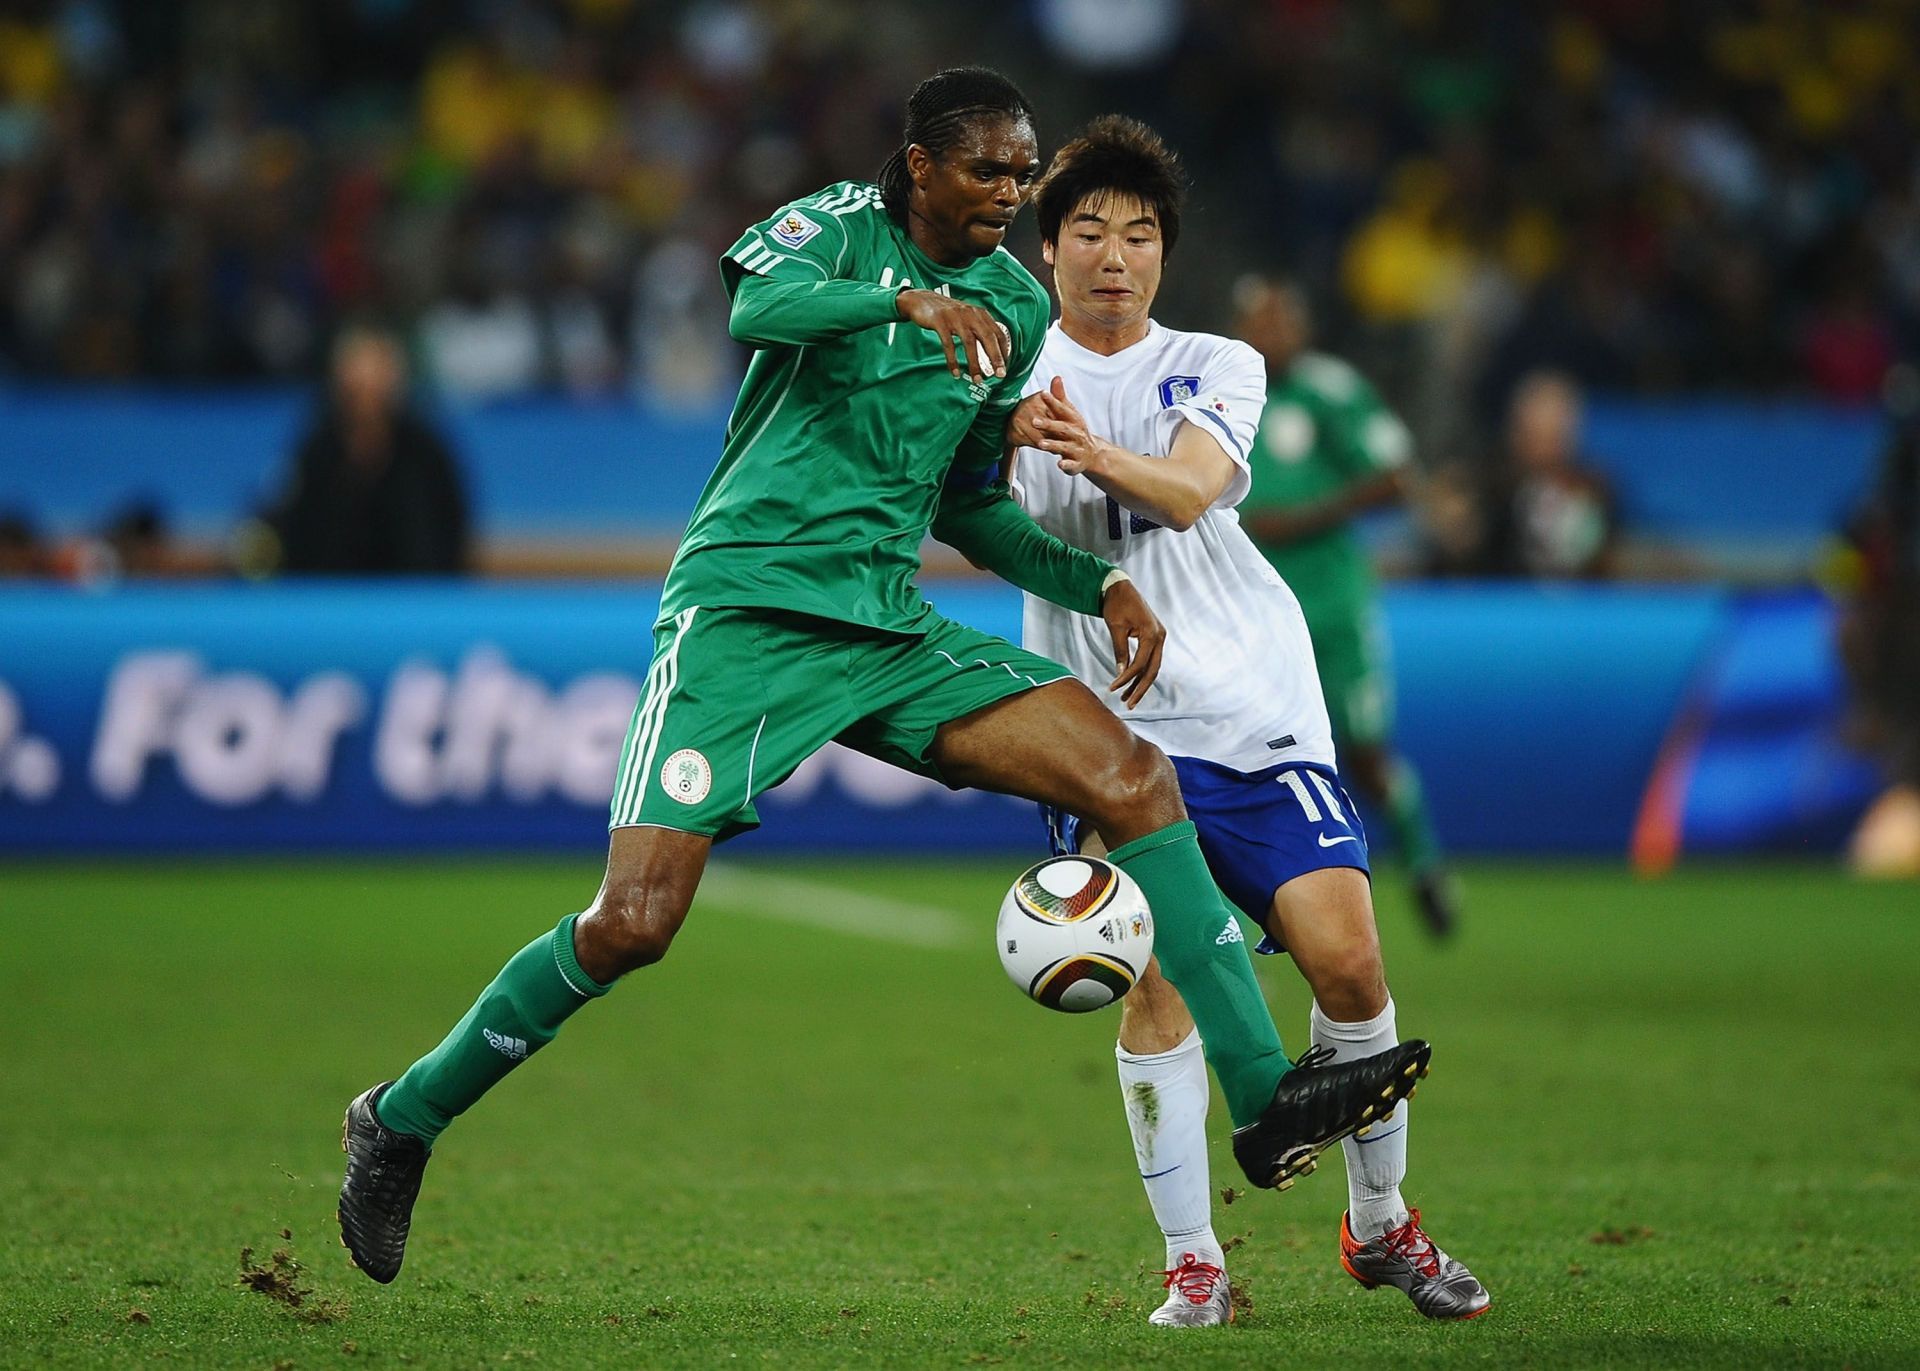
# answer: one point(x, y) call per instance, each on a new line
point(361, 717)
point(369, 716)
point(1757, 759)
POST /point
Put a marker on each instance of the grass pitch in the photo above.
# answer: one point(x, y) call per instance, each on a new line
point(1672, 1124)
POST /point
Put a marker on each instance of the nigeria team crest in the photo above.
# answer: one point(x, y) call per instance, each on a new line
point(686, 776)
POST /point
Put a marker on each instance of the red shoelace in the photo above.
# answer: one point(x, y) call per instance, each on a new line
point(1194, 1278)
point(1410, 1242)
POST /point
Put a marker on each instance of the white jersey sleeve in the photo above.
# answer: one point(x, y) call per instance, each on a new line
point(1226, 404)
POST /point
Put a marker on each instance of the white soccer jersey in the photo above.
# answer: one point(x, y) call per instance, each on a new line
point(1237, 685)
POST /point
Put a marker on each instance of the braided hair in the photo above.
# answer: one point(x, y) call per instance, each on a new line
point(937, 115)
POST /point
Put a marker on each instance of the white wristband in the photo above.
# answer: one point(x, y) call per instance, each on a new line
point(1114, 578)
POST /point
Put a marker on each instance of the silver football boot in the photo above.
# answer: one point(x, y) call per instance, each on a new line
point(1198, 1296)
point(1407, 1259)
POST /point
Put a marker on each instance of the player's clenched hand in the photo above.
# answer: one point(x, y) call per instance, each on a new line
point(1139, 639)
point(982, 338)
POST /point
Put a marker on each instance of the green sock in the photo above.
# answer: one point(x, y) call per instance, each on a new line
point(1215, 978)
point(536, 991)
point(1407, 812)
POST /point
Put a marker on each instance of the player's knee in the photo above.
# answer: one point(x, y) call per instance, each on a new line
point(1136, 791)
point(1350, 983)
point(628, 927)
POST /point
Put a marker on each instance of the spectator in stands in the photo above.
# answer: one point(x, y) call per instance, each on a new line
point(1847, 346)
point(374, 488)
point(1551, 515)
point(1651, 198)
point(21, 553)
point(138, 541)
point(1454, 521)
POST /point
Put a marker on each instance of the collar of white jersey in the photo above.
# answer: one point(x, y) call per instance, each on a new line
point(1093, 358)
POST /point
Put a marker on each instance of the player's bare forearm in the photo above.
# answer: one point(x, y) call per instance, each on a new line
point(1173, 491)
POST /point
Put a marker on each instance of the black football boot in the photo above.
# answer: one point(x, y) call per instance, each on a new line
point(1317, 1104)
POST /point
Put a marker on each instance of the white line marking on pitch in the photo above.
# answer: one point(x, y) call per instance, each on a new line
point(817, 904)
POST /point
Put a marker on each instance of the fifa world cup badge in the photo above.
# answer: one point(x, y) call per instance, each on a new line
point(686, 776)
point(795, 230)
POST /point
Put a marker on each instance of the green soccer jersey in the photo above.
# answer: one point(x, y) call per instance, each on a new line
point(1324, 428)
point(849, 421)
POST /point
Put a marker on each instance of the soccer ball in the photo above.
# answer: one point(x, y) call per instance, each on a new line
point(1075, 933)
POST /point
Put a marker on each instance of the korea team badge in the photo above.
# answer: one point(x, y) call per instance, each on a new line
point(1177, 390)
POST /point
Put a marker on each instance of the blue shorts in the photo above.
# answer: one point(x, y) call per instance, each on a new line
point(1257, 831)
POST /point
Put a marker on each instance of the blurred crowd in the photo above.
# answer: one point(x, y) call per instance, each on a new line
point(1648, 196)
point(1494, 204)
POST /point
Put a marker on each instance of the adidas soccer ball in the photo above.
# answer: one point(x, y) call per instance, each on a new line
point(1075, 933)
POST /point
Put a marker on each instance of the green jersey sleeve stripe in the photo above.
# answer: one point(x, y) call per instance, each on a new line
point(758, 257)
point(761, 260)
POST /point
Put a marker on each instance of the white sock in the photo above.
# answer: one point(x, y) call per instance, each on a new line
point(1377, 1163)
point(1166, 1100)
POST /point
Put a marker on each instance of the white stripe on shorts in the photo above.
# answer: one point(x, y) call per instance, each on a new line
point(631, 788)
point(1017, 675)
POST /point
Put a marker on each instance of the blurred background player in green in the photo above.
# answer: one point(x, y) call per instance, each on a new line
point(1328, 451)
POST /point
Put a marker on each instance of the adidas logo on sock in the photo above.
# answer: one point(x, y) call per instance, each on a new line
point(515, 1048)
point(1229, 934)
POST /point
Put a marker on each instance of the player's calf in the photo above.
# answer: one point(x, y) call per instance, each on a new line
point(1133, 792)
point(623, 934)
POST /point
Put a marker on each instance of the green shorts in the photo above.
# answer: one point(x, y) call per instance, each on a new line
point(738, 698)
point(1355, 660)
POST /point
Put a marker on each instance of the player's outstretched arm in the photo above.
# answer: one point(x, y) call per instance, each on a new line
point(773, 313)
point(1173, 491)
point(978, 518)
point(770, 313)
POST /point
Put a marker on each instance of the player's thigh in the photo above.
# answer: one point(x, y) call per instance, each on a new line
point(972, 710)
point(734, 700)
point(1261, 831)
point(1060, 746)
point(1325, 918)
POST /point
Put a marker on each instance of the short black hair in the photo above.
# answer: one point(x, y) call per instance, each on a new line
point(937, 115)
point(1114, 155)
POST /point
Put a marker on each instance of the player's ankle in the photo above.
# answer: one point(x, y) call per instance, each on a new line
point(1203, 1246)
point(1368, 1218)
